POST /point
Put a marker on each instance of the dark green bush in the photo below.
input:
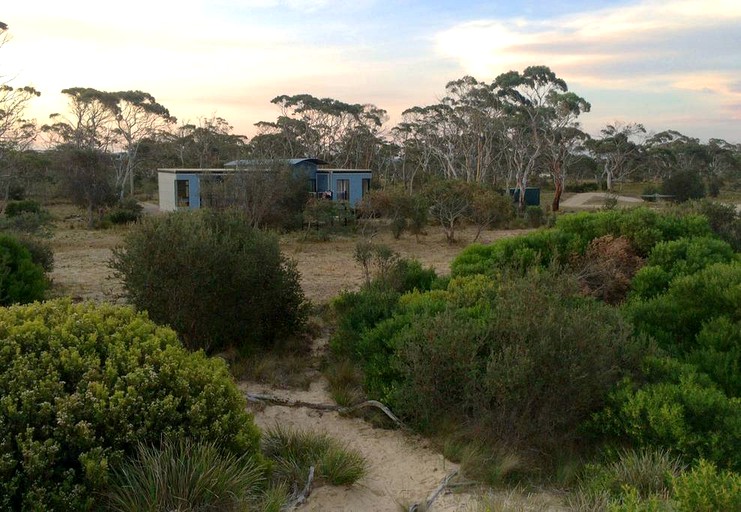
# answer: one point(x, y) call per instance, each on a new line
point(21, 280)
point(587, 186)
point(15, 208)
point(724, 219)
point(717, 352)
point(676, 317)
point(678, 409)
point(81, 385)
point(35, 223)
point(125, 211)
point(525, 360)
point(215, 280)
point(41, 252)
point(684, 185)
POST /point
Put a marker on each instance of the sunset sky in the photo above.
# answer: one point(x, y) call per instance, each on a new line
point(666, 64)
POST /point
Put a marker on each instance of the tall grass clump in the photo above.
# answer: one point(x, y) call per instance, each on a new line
point(293, 453)
point(186, 476)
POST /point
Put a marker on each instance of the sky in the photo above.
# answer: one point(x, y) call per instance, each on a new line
point(668, 64)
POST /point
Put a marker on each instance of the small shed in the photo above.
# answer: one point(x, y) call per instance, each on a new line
point(182, 188)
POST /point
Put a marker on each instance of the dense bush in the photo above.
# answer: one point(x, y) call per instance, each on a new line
point(586, 186)
point(40, 250)
point(674, 318)
point(125, 211)
point(642, 226)
point(685, 256)
point(35, 223)
point(678, 409)
point(218, 282)
point(359, 311)
point(684, 185)
point(15, 208)
point(21, 280)
point(81, 385)
point(706, 489)
point(525, 360)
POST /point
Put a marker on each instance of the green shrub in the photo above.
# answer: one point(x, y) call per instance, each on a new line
point(125, 211)
point(534, 216)
point(684, 185)
point(35, 223)
point(15, 208)
point(724, 219)
point(678, 409)
point(81, 385)
point(587, 186)
point(677, 316)
point(527, 361)
point(41, 252)
point(185, 475)
point(215, 280)
point(705, 489)
point(21, 280)
point(676, 258)
point(717, 353)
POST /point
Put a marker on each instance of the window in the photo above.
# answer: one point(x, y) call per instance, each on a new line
point(343, 190)
point(182, 188)
point(366, 186)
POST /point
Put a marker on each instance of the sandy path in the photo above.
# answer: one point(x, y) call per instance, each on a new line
point(402, 468)
point(584, 199)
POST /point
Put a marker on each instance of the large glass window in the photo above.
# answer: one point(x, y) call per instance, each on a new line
point(343, 190)
point(183, 192)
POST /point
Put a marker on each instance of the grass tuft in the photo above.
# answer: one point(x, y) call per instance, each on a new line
point(185, 475)
point(294, 452)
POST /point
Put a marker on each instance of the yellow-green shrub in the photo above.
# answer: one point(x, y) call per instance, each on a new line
point(82, 384)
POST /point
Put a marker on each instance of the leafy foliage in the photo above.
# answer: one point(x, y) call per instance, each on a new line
point(218, 282)
point(477, 354)
point(82, 384)
point(21, 280)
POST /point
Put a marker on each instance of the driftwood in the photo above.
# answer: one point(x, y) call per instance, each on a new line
point(285, 402)
point(433, 496)
point(302, 497)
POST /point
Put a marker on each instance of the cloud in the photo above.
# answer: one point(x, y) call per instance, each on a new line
point(648, 46)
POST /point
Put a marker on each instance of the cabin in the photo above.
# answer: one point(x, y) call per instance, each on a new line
point(182, 188)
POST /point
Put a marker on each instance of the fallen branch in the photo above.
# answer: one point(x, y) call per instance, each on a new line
point(301, 498)
point(432, 497)
point(285, 402)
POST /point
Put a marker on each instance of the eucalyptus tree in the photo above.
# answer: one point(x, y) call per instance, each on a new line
point(619, 150)
point(348, 135)
point(17, 133)
point(138, 117)
point(116, 122)
point(208, 144)
point(540, 123)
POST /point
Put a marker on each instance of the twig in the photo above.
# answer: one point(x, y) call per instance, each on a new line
point(252, 397)
point(432, 497)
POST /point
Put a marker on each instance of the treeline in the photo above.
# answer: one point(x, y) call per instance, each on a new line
point(520, 127)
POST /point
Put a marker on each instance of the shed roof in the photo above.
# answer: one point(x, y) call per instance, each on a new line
point(292, 161)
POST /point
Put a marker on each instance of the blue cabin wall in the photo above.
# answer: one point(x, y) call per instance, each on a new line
point(194, 189)
point(330, 178)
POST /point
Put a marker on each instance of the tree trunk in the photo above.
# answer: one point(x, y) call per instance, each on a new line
point(557, 196)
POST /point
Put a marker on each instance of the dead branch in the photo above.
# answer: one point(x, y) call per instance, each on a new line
point(285, 402)
point(301, 498)
point(433, 496)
